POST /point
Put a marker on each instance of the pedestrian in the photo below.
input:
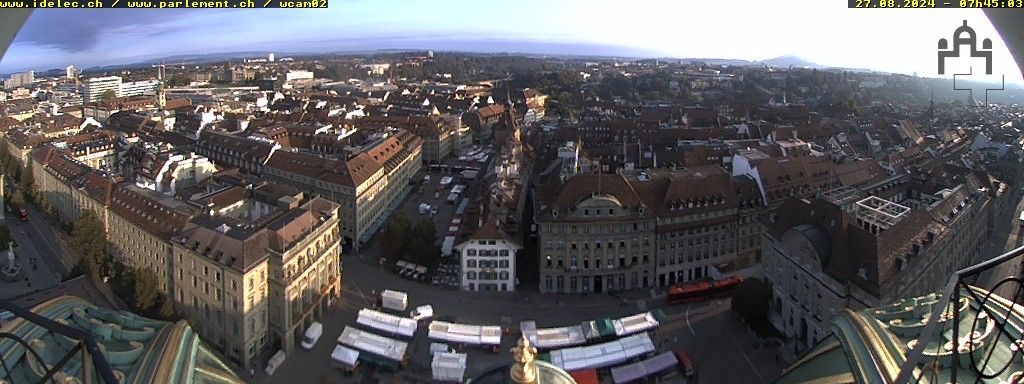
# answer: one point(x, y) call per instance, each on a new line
point(252, 372)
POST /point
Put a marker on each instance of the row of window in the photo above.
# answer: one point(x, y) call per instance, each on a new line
point(608, 282)
point(484, 275)
point(550, 261)
point(487, 252)
point(611, 244)
point(473, 263)
point(595, 228)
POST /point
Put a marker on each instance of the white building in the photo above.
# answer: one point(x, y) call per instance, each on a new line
point(19, 80)
point(298, 75)
point(376, 68)
point(270, 57)
point(93, 88)
point(166, 173)
point(488, 259)
point(139, 88)
point(71, 72)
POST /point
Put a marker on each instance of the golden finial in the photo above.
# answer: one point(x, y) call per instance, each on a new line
point(524, 371)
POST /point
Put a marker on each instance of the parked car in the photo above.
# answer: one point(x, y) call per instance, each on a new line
point(312, 335)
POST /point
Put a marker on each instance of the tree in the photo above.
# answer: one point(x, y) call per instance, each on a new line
point(18, 199)
point(166, 311)
point(421, 244)
point(751, 300)
point(11, 169)
point(145, 294)
point(108, 95)
point(89, 240)
point(27, 180)
point(395, 236)
point(177, 80)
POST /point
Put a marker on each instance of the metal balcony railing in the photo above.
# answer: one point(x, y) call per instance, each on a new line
point(85, 345)
point(966, 357)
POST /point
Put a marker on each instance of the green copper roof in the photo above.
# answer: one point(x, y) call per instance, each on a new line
point(871, 346)
point(140, 350)
point(825, 362)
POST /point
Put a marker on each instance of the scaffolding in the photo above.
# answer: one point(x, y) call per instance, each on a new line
point(841, 196)
point(877, 214)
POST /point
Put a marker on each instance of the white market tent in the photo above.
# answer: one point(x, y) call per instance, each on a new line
point(465, 333)
point(385, 347)
point(449, 243)
point(640, 322)
point(603, 355)
point(631, 373)
point(550, 338)
point(394, 300)
point(448, 367)
point(391, 324)
point(345, 357)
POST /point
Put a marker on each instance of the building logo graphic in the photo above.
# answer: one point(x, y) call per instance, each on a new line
point(964, 36)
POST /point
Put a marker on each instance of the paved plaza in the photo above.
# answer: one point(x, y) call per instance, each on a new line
point(708, 331)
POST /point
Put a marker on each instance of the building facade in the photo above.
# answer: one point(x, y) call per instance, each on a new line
point(643, 229)
point(488, 259)
point(597, 235)
point(255, 280)
point(821, 256)
point(94, 88)
point(139, 88)
point(365, 185)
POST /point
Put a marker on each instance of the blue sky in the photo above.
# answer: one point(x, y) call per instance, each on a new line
point(824, 32)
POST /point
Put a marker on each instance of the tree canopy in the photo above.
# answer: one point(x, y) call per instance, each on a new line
point(18, 198)
point(108, 94)
point(89, 241)
point(403, 240)
point(752, 299)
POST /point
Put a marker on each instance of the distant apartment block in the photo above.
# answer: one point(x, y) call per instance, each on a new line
point(19, 80)
point(94, 88)
point(139, 88)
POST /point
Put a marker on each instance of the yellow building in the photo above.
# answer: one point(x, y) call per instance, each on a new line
point(253, 277)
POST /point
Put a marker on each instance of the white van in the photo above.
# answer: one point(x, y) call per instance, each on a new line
point(312, 335)
point(274, 362)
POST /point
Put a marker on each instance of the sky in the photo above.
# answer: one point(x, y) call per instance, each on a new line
point(823, 32)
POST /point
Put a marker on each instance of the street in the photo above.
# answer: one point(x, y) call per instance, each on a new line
point(35, 240)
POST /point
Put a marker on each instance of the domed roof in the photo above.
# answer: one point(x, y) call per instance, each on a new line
point(819, 239)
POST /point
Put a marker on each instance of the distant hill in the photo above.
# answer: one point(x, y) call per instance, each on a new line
point(781, 61)
point(788, 61)
point(187, 59)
